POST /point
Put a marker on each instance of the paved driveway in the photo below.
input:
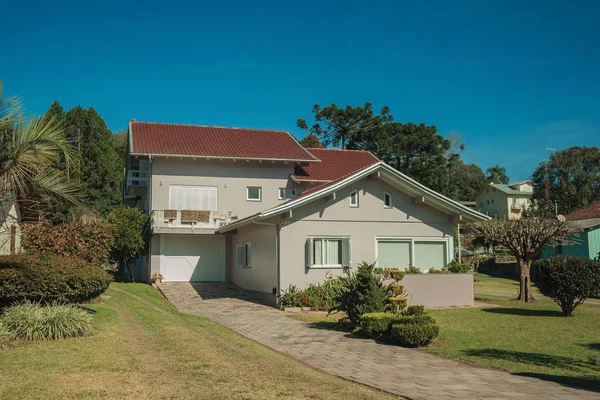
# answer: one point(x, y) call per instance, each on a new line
point(405, 372)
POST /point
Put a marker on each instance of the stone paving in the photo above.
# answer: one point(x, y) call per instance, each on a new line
point(405, 372)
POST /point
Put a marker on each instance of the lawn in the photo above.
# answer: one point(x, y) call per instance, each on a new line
point(143, 348)
point(498, 284)
point(527, 339)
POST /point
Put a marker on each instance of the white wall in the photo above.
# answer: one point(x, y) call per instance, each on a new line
point(230, 178)
point(362, 224)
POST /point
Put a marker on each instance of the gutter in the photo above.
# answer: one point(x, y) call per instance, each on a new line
point(225, 157)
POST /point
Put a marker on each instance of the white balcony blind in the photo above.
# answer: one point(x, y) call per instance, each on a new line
point(193, 198)
point(430, 254)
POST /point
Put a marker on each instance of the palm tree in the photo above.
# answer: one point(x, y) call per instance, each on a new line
point(30, 151)
point(497, 174)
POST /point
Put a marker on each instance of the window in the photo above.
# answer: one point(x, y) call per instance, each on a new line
point(488, 202)
point(492, 201)
point(481, 203)
point(423, 253)
point(354, 198)
point(328, 252)
point(243, 254)
point(254, 193)
point(387, 200)
point(293, 192)
point(281, 193)
point(193, 197)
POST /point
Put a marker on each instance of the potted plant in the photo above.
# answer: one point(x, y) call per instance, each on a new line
point(157, 278)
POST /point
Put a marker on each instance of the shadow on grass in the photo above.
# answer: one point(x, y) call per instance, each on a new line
point(592, 346)
point(524, 312)
point(583, 382)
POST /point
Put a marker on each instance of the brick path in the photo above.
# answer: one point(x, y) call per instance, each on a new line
point(405, 372)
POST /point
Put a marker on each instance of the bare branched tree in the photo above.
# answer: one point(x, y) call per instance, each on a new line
point(526, 238)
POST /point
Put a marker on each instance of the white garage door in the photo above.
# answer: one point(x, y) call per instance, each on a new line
point(194, 258)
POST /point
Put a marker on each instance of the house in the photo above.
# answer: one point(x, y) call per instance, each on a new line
point(255, 208)
point(588, 241)
point(10, 232)
point(504, 201)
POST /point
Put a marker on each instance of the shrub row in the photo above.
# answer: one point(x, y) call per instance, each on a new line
point(33, 321)
point(411, 328)
point(320, 297)
point(50, 279)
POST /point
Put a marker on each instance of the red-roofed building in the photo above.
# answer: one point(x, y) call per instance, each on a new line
point(255, 208)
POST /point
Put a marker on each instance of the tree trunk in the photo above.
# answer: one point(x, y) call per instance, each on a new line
point(525, 294)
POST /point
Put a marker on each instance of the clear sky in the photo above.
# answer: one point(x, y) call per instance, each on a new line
point(512, 77)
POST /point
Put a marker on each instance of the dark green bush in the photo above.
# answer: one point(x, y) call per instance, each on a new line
point(361, 293)
point(458, 268)
point(414, 335)
point(376, 324)
point(414, 310)
point(567, 280)
point(32, 321)
point(50, 279)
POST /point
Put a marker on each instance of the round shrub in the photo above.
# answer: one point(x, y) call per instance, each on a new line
point(50, 279)
point(33, 321)
point(567, 280)
point(414, 335)
point(414, 310)
point(423, 319)
point(376, 324)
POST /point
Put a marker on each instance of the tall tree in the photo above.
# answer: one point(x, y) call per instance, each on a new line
point(341, 126)
point(311, 141)
point(573, 179)
point(497, 174)
point(466, 181)
point(526, 238)
point(99, 169)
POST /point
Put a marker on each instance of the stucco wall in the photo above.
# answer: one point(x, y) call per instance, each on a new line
point(230, 178)
point(5, 231)
point(439, 290)
point(261, 276)
point(363, 224)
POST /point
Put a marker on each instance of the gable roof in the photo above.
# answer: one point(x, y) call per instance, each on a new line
point(334, 164)
point(385, 172)
point(150, 138)
point(589, 212)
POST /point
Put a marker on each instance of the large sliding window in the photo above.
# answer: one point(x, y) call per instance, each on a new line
point(424, 253)
point(328, 252)
point(193, 197)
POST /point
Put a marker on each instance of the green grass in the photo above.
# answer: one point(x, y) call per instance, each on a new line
point(498, 284)
point(527, 339)
point(142, 348)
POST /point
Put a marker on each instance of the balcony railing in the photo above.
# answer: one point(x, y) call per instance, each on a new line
point(189, 219)
point(137, 177)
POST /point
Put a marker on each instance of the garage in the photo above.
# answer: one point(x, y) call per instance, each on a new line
point(193, 258)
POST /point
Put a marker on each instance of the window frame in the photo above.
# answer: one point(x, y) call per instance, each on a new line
point(389, 195)
point(355, 193)
point(311, 239)
point(259, 193)
point(279, 196)
point(412, 239)
point(247, 255)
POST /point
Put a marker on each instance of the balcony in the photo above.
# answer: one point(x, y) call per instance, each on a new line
point(189, 221)
point(137, 182)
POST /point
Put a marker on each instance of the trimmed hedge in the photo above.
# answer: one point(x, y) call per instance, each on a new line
point(414, 319)
point(414, 310)
point(50, 279)
point(376, 324)
point(414, 335)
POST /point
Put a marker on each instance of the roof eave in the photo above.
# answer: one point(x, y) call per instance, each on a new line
point(224, 157)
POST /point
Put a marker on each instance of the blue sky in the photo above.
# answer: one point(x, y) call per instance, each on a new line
point(512, 77)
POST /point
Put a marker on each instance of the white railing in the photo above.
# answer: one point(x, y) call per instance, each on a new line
point(137, 177)
point(171, 219)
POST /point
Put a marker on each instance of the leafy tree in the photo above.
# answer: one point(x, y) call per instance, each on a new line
point(361, 293)
point(569, 280)
point(341, 126)
point(120, 140)
point(311, 141)
point(130, 228)
point(497, 174)
point(573, 179)
point(466, 181)
point(526, 238)
point(30, 150)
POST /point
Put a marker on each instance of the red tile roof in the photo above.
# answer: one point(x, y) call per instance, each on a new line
point(212, 141)
point(592, 211)
point(334, 163)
